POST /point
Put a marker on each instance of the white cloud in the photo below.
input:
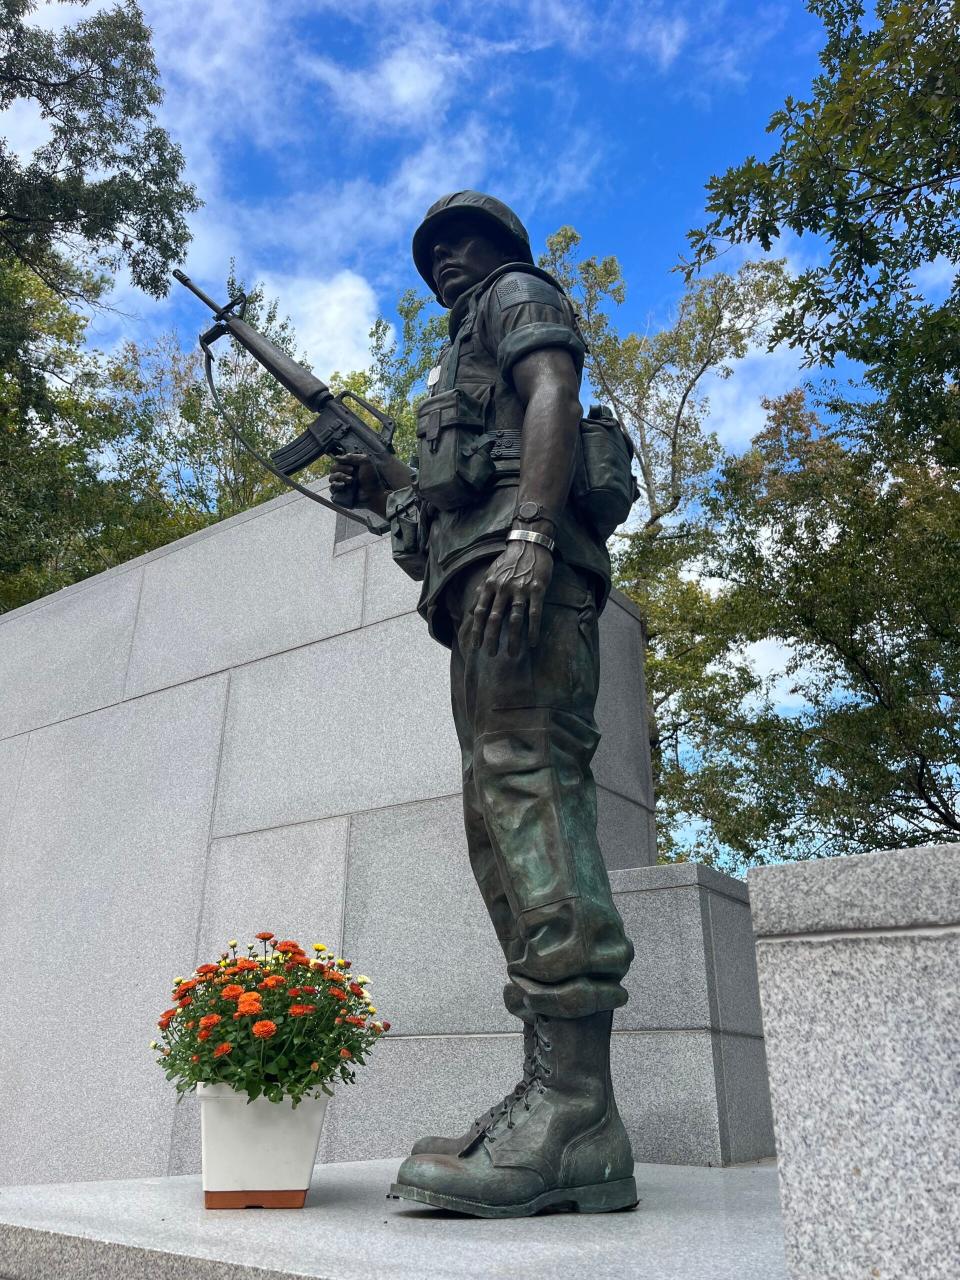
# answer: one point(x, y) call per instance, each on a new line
point(410, 86)
point(332, 317)
point(23, 128)
point(736, 412)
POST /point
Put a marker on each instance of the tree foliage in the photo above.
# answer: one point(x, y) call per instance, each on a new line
point(174, 443)
point(107, 183)
point(870, 162)
point(852, 566)
point(61, 516)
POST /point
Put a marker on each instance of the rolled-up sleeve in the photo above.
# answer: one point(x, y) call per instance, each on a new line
point(527, 313)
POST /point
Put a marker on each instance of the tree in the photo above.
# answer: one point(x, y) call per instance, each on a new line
point(869, 162)
point(175, 444)
point(60, 517)
point(107, 184)
point(655, 384)
point(852, 565)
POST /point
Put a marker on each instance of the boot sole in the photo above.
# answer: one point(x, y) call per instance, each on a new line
point(599, 1197)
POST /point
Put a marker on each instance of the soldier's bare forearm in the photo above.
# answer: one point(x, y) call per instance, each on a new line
point(547, 382)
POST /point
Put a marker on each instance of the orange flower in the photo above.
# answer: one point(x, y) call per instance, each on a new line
point(221, 1049)
point(265, 1029)
point(311, 990)
point(191, 1024)
point(168, 1013)
point(356, 988)
point(265, 936)
point(250, 1002)
point(232, 991)
point(301, 1010)
point(345, 1053)
point(338, 993)
point(289, 947)
point(185, 1001)
point(338, 1022)
point(195, 1057)
point(206, 969)
point(314, 1066)
point(164, 1023)
point(184, 987)
point(245, 965)
point(354, 1020)
point(210, 1020)
point(294, 991)
point(231, 970)
point(275, 980)
point(203, 1035)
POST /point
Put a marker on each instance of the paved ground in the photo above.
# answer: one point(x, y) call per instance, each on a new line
point(692, 1224)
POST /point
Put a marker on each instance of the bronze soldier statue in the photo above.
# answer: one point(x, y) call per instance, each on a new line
point(495, 520)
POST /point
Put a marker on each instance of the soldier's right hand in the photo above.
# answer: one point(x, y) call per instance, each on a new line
point(356, 469)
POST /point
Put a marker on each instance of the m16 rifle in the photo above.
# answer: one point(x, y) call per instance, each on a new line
point(336, 430)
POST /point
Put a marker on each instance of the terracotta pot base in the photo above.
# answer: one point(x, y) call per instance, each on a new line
point(254, 1199)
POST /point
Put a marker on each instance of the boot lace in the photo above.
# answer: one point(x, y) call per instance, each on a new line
point(534, 1081)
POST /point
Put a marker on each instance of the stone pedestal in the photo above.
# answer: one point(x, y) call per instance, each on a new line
point(859, 964)
point(688, 1046)
point(691, 1224)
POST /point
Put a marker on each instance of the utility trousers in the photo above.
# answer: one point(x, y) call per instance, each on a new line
point(527, 736)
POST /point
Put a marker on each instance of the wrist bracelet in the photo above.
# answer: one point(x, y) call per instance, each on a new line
point(527, 535)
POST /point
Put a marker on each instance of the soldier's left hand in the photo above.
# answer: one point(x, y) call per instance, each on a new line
point(512, 594)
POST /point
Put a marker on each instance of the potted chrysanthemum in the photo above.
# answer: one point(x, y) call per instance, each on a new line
point(262, 1038)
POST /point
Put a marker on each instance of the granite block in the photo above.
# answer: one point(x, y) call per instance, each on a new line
point(387, 591)
point(863, 1043)
point(674, 875)
point(411, 895)
point(668, 980)
point(259, 587)
point(288, 879)
point(68, 657)
point(625, 830)
point(743, 1098)
point(13, 753)
point(691, 1223)
point(667, 1095)
point(622, 762)
point(413, 1086)
point(355, 722)
point(897, 888)
point(732, 963)
point(109, 835)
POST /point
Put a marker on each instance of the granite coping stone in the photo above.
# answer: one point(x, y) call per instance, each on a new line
point(677, 875)
point(899, 888)
point(691, 1223)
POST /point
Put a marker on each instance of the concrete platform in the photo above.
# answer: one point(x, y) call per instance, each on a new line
point(692, 1224)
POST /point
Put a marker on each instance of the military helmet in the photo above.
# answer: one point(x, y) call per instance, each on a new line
point(487, 209)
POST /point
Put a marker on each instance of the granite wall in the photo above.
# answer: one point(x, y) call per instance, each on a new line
point(248, 728)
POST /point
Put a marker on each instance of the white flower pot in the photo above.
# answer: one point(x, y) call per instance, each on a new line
point(257, 1154)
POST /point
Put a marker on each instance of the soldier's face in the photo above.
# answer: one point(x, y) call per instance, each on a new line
point(463, 256)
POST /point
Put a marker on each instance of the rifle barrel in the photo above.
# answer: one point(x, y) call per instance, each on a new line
point(188, 283)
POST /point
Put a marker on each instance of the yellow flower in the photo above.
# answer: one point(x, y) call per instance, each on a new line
point(154, 1044)
point(339, 962)
point(177, 981)
point(318, 947)
point(232, 942)
point(371, 1009)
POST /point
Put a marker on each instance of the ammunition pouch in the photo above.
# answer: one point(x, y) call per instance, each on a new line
point(453, 450)
point(604, 487)
point(408, 542)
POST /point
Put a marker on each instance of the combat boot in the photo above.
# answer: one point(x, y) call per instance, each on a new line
point(560, 1143)
point(453, 1146)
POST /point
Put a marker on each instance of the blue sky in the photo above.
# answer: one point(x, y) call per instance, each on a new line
point(317, 133)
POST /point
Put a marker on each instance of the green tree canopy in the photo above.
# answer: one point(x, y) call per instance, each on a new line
point(870, 162)
point(107, 184)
